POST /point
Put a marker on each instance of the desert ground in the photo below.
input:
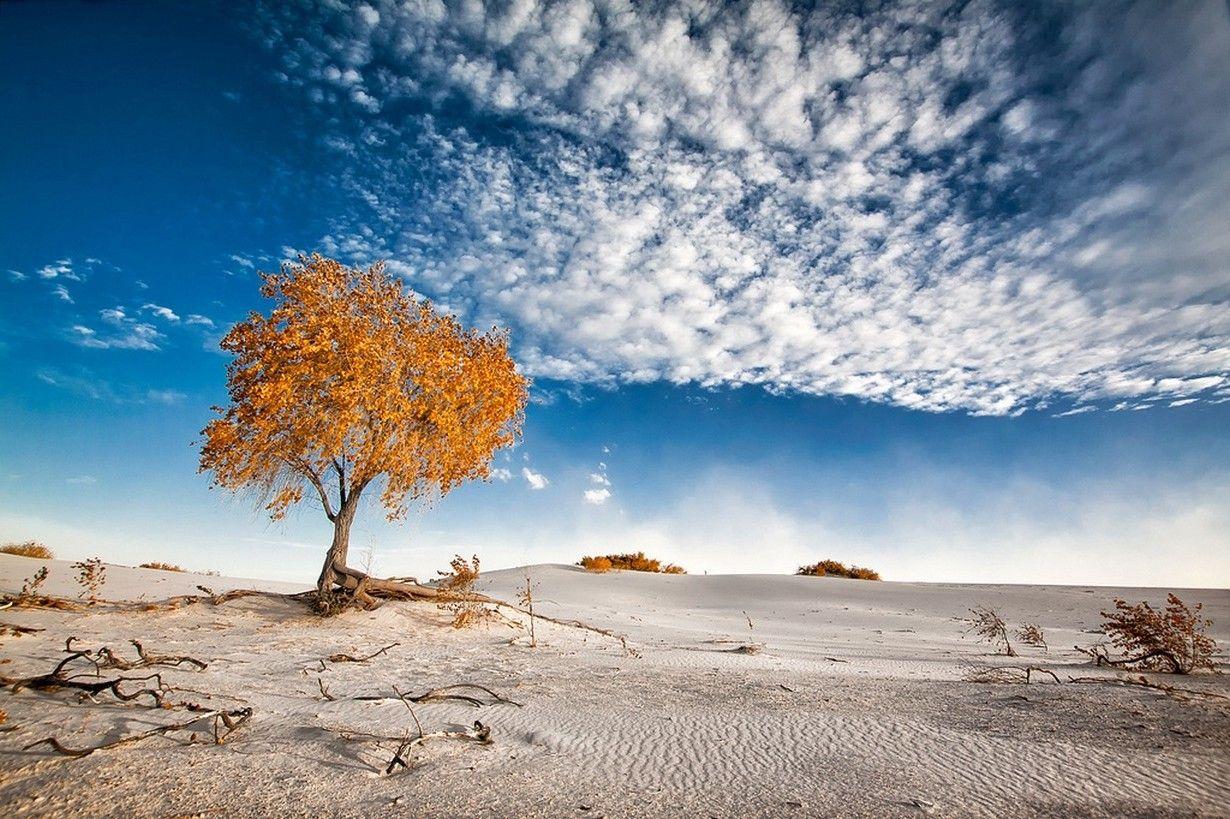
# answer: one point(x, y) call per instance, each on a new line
point(854, 701)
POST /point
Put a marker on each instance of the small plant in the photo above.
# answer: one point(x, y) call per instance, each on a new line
point(1031, 635)
point(162, 567)
point(91, 574)
point(31, 548)
point(989, 627)
point(832, 568)
point(525, 597)
point(631, 561)
point(460, 581)
point(31, 587)
point(1172, 640)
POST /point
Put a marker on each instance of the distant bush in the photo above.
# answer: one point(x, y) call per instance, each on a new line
point(31, 548)
point(91, 575)
point(831, 568)
point(632, 561)
point(597, 564)
point(162, 567)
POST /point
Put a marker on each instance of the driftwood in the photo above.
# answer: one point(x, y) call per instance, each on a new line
point(224, 724)
point(1101, 657)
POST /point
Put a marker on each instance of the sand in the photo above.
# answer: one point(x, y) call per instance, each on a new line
point(854, 704)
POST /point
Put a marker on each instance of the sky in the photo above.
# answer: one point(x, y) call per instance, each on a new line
point(942, 289)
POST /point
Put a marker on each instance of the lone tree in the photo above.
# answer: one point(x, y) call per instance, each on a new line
point(351, 383)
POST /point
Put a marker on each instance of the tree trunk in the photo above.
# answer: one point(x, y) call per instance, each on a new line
point(339, 549)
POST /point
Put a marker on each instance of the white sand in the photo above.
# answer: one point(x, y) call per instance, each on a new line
point(855, 706)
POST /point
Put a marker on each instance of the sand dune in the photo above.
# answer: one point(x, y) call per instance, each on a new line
point(855, 705)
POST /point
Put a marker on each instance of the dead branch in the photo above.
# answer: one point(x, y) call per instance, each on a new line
point(477, 733)
point(14, 630)
point(447, 693)
point(108, 659)
point(324, 692)
point(60, 679)
point(346, 658)
point(224, 724)
point(1006, 673)
point(1175, 691)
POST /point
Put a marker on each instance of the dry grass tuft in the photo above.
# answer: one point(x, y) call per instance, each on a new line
point(91, 575)
point(31, 548)
point(631, 561)
point(162, 567)
point(1030, 634)
point(831, 568)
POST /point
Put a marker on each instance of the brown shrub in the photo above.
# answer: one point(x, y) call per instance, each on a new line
point(1172, 640)
point(31, 548)
point(831, 568)
point(631, 561)
point(31, 587)
point(162, 567)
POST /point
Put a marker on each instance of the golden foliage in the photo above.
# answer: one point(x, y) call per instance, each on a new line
point(350, 372)
point(31, 548)
point(831, 568)
point(632, 561)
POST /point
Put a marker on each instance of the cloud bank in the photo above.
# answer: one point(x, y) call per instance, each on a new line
point(977, 207)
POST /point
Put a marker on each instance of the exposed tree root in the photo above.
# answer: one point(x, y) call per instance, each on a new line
point(208, 596)
point(1101, 658)
point(224, 724)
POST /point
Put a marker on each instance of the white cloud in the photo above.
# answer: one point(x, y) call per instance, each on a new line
point(126, 334)
point(203, 321)
point(499, 473)
point(597, 496)
point(536, 480)
point(600, 479)
point(928, 215)
point(61, 293)
point(82, 480)
point(59, 269)
point(16, 275)
point(165, 313)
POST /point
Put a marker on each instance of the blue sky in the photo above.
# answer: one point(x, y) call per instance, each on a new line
point(940, 290)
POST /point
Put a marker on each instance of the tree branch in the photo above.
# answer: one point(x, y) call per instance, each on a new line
point(311, 475)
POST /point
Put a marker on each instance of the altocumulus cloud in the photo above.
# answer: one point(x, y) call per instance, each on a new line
point(977, 207)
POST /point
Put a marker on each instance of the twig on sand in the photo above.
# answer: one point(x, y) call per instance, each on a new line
point(224, 724)
point(346, 658)
point(1184, 694)
point(105, 658)
point(17, 631)
point(1006, 673)
point(447, 693)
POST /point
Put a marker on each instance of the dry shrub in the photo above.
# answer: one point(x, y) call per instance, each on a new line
point(31, 548)
point(91, 574)
point(989, 627)
point(1031, 635)
point(460, 581)
point(831, 568)
point(31, 587)
point(631, 561)
point(1172, 640)
point(162, 567)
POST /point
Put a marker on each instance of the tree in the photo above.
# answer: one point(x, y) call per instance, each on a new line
point(351, 382)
